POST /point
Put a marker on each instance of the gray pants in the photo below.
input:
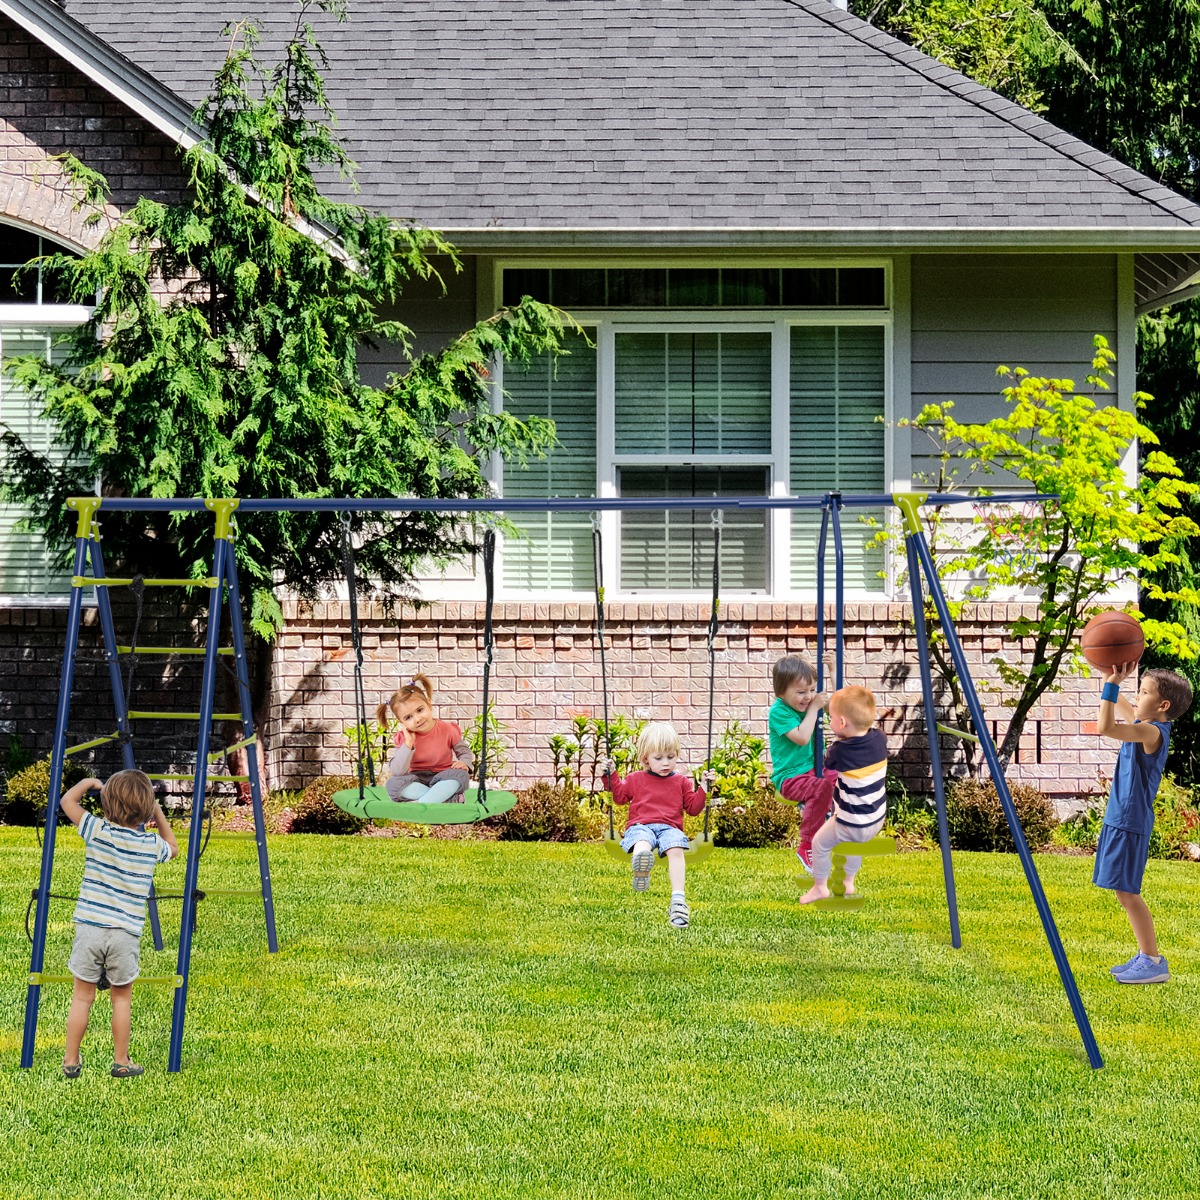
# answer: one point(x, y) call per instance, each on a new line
point(397, 783)
point(829, 835)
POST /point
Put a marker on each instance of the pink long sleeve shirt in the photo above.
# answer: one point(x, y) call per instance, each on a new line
point(656, 799)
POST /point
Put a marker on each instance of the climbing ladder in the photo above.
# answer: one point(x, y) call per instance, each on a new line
point(222, 585)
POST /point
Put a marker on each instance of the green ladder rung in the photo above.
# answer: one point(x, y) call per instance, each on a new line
point(179, 716)
point(225, 834)
point(233, 891)
point(110, 581)
point(100, 741)
point(236, 746)
point(962, 733)
point(210, 778)
point(171, 650)
point(175, 981)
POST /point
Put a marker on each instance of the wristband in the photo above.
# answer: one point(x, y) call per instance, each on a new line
point(1110, 692)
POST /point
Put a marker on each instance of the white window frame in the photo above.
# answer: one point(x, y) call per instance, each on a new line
point(603, 324)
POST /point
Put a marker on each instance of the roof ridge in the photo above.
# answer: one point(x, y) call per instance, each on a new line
point(963, 86)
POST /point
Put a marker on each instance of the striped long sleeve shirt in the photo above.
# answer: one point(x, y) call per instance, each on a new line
point(118, 870)
point(861, 763)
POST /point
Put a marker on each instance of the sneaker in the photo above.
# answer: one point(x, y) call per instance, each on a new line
point(1144, 970)
point(804, 854)
point(643, 864)
point(679, 914)
point(1121, 968)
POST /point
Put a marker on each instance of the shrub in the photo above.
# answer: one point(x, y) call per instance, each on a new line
point(544, 813)
point(1081, 830)
point(26, 791)
point(911, 817)
point(765, 821)
point(977, 821)
point(1176, 821)
point(316, 812)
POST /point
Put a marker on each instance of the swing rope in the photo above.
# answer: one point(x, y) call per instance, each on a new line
point(360, 696)
point(717, 521)
point(598, 578)
point(489, 578)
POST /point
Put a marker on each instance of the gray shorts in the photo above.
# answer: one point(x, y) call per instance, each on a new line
point(101, 954)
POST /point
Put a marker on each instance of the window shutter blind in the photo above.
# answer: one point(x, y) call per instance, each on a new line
point(837, 443)
point(555, 553)
point(693, 393)
point(25, 567)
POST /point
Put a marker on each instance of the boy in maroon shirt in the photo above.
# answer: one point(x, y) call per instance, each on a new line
point(657, 799)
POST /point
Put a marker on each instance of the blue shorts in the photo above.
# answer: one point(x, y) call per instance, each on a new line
point(1121, 856)
point(661, 837)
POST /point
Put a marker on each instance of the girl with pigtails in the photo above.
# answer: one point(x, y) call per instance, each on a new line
point(432, 762)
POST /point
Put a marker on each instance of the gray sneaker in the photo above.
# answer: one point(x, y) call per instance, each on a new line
point(679, 914)
point(643, 864)
point(1145, 970)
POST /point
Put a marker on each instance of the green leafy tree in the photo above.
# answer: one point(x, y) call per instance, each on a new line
point(1067, 556)
point(222, 359)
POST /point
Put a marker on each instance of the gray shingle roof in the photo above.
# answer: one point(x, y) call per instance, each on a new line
point(640, 114)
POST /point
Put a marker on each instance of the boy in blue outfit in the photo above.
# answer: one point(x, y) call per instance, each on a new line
point(1144, 731)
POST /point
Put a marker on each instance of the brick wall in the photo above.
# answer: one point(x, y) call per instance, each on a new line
point(546, 668)
point(46, 108)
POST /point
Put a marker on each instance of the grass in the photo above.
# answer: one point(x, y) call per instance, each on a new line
point(483, 1020)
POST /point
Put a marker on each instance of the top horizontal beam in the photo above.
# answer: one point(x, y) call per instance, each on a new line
point(502, 504)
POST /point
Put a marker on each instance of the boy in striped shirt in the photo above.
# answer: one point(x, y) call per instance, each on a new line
point(859, 756)
point(118, 870)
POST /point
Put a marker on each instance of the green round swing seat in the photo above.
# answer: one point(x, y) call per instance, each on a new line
point(697, 852)
point(374, 803)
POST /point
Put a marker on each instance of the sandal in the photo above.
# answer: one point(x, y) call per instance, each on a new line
point(73, 1070)
point(679, 914)
point(126, 1070)
point(643, 864)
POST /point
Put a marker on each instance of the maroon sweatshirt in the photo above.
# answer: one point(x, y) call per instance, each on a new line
point(656, 799)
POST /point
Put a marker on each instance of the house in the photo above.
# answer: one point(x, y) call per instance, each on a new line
point(778, 224)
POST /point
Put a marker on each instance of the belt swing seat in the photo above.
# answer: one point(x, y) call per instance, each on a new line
point(701, 846)
point(371, 801)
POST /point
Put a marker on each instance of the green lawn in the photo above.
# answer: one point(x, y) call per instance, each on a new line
point(504, 1020)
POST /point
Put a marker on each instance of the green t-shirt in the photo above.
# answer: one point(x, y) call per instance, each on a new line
point(788, 758)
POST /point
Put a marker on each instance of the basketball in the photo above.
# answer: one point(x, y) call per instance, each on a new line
point(1112, 638)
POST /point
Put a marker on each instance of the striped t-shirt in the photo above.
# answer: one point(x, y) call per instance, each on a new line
point(861, 763)
point(118, 870)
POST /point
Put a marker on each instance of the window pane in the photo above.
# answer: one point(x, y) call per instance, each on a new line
point(672, 550)
point(556, 551)
point(24, 563)
point(694, 289)
point(860, 287)
point(637, 288)
point(693, 393)
point(577, 289)
point(526, 283)
point(756, 288)
point(810, 287)
point(837, 443)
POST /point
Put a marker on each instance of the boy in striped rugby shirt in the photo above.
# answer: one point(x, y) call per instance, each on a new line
point(118, 870)
point(859, 756)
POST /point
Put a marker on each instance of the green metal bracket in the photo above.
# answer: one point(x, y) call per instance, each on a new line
point(224, 510)
point(962, 733)
point(86, 507)
point(909, 504)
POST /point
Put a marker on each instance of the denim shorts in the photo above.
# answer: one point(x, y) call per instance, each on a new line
point(101, 952)
point(661, 837)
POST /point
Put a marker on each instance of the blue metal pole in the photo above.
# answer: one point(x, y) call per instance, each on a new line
point(57, 756)
point(818, 738)
point(108, 629)
point(839, 562)
point(1010, 812)
point(243, 674)
point(192, 874)
point(931, 726)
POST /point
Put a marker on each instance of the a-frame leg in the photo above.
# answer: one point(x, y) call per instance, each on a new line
point(248, 735)
point(920, 548)
point(86, 508)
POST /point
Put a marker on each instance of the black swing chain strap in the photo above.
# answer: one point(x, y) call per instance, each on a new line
point(598, 577)
point(489, 581)
point(713, 618)
point(360, 698)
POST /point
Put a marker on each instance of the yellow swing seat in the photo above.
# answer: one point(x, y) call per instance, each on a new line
point(837, 879)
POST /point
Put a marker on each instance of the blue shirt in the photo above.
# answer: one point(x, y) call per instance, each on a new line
point(1135, 784)
point(118, 870)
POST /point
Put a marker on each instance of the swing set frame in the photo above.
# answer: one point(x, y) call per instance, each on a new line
point(223, 585)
